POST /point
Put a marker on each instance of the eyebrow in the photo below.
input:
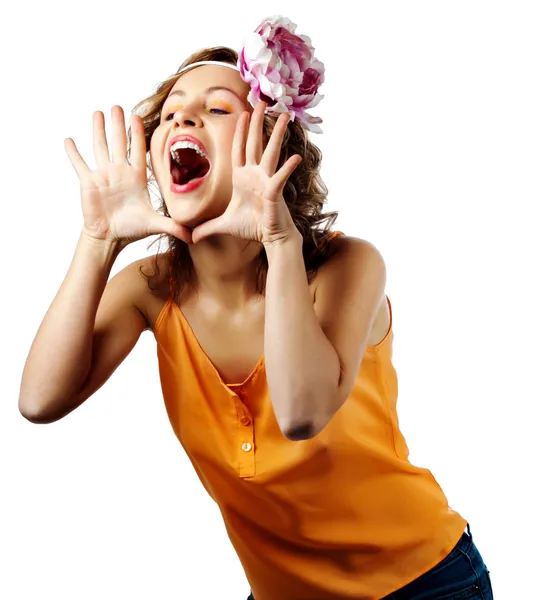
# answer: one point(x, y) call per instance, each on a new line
point(206, 91)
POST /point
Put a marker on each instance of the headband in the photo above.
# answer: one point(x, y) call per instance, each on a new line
point(281, 70)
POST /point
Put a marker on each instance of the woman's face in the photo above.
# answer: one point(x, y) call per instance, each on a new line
point(210, 116)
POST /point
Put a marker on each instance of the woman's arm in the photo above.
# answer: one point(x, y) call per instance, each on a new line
point(313, 352)
point(88, 330)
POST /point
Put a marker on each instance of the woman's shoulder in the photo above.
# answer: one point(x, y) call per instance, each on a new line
point(148, 277)
point(346, 254)
point(355, 266)
point(346, 250)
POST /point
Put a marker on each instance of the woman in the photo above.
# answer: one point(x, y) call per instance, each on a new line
point(274, 334)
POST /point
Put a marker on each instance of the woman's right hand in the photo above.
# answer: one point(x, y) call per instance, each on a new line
point(115, 200)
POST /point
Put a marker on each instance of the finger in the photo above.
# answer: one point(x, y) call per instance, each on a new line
point(100, 148)
point(238, 147)
point(212, 227)
point(279, 180)
point(254, 143)
point(79, 164)
point(160, 224)
point(272, 153)
point(118, 136)
point(137, 144)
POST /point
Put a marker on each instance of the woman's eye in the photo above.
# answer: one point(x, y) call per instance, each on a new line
point(221, 111)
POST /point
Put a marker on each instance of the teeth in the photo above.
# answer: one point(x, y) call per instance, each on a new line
point(178, 145)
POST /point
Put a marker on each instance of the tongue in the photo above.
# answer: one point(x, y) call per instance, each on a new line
point(182, 174)
point(192, 166)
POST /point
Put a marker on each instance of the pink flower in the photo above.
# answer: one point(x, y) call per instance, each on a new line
point(281, 69)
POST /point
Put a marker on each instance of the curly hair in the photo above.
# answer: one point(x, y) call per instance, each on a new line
point(305, 192)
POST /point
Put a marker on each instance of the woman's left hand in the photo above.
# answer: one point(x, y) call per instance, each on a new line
point(257, 210)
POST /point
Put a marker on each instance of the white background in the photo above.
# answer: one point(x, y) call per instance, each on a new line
point(441, 146)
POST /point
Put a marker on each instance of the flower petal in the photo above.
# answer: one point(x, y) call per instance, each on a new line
point(280, 67)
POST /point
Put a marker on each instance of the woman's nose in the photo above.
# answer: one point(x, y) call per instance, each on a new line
point(185, 117)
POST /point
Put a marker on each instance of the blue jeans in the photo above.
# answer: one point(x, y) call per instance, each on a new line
point(461, 575)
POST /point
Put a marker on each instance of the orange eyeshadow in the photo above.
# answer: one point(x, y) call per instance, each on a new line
point(222, 104)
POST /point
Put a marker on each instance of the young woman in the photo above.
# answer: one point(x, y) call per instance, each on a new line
point(274, 333)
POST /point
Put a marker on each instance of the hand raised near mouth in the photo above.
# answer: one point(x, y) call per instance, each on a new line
point(116, 203)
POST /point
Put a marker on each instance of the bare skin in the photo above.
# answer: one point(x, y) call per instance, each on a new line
point(232, 339)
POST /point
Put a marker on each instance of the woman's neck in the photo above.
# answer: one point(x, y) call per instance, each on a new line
point(225, 268)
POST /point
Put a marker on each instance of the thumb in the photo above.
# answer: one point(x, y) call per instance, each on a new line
point(208, 228)
point(161, 224)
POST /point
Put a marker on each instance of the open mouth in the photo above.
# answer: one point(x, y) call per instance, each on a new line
point(187, 164)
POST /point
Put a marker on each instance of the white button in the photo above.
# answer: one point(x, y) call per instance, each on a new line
point(246, 447)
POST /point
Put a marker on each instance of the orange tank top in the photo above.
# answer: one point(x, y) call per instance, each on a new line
point(344, 515)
